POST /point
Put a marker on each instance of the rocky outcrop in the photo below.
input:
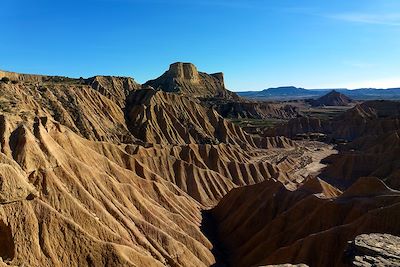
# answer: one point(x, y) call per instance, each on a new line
point(268, 224)
point(78, 106)
point(167, 118)
point(99, 172)
point(333, 98)
point(114, 88)
point(13, 76)
point(185, 79)
point(374, 250)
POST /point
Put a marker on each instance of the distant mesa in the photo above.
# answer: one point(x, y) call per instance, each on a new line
point(186, 79)
point(281, 93)
point(333, 98)
point(286, 90)
point(295, 93)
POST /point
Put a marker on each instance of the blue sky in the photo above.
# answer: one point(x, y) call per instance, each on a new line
point(257, 44)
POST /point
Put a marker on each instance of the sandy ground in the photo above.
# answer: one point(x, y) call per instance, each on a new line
point(317, 151)
point(301, 161)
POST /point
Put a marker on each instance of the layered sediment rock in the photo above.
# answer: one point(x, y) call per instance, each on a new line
point(114, 88)
point(168, 118)
point(268, 224)
point(184, 78)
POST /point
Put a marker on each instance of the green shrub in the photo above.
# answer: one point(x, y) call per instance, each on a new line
point(5, 79)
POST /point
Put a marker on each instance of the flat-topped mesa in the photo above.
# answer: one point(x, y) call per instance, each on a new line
point(184, 78)
point(184, 71)
point(13, 76)
point(219, 76)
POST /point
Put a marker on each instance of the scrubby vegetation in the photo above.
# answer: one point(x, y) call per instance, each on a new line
point(5, 80)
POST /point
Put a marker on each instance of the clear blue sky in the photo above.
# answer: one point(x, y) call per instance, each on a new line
point(257, 44)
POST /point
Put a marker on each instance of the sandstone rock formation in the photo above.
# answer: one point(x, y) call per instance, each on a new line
point(91, 209)
point(268, 224)
point(114, 88)
point(99, 172)
point(13, 76)
point(369, 156)
point(78, 188)
point(79, 107)
point(184, 78)
point(168, 118)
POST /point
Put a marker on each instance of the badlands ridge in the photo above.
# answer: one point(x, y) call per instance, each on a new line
point(107, 172)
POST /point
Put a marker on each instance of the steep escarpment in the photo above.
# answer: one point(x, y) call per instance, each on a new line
point(184, 78)
point(79, 107)
point(268, 224)
point(19, 77)
point(114, 88)
point(167, 118)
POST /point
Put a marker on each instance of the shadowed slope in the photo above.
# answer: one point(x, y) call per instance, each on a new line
point(167, 118)
point(90, 211)
point(368, 118)
point(267, 224)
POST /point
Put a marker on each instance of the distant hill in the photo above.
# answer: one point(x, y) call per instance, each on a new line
point(293, 93)
point(333, 98)
point(287, 92)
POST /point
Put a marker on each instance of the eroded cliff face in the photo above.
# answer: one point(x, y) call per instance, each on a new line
point(185, 79)
point(268, 224)
point(168, 118)
point(80, 186)
point(114, 88)
point(99, 172)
